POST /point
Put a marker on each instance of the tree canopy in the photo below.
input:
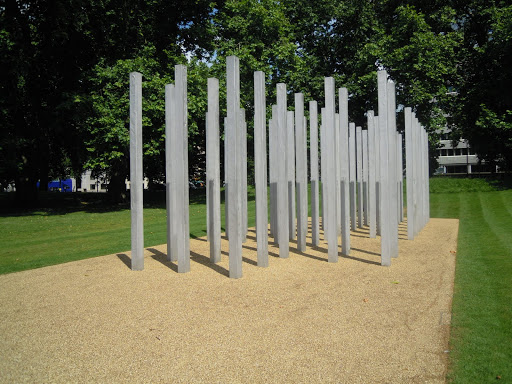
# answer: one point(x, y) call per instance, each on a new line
point(64, 87)
point(482, 111)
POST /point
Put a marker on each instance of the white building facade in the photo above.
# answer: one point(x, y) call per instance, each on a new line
point(459, 159)
point(92, 184)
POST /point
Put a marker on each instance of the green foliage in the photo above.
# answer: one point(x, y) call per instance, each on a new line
point(52, 55)
point(419, 55)
point(449, 61)
point(108, 125)
point(261, 35)
point(482, 112)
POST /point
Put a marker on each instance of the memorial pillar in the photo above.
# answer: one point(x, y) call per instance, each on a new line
point(352, 164)
point(136, 172)
point(392, 156)
point(313, 148)
point(290, 172)
point(260, 168)
point(180, 166)
point(400, 178)
point(301, 172)
point(273, 158)
point(359, 175)
point(234, 169)
point(213, 170)
point(243, 163)
point(330, 172)
point(409, 169)
point(170, 193)
point(372, 197)
point(385, 195)
point(282, 166)
point(365, 176)
point(345, 172)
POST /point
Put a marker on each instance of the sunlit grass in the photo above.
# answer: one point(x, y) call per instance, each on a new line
point(481, 333)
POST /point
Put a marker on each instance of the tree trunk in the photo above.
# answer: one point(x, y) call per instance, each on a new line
point(117, 188)
point(43, 181)
point(26, 191)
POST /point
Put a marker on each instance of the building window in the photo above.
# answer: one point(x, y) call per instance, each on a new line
point(92, 187)
point(104, 186)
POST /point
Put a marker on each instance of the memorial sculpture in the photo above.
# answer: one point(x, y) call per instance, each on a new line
point(361, 171)
point(136, 175)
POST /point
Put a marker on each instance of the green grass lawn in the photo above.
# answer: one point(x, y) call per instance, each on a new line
point(70, 227)
point(481, 333)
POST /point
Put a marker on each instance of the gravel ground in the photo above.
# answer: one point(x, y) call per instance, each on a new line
point(300, 320)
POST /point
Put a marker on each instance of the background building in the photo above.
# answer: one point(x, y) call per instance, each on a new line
point(459, 159)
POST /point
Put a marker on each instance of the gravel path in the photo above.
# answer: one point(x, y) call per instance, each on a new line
point(300, 320)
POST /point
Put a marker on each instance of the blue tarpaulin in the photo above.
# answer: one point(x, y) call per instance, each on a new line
point(60, 185)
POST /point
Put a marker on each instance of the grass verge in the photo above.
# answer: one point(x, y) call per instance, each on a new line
point(73, 226)
point(481, 333)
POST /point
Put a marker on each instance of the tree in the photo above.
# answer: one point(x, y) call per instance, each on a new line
point(49, 50)
point(350, 40)
point(107, 136)
point(42, 48)
point(260, 34)
point(482, 113)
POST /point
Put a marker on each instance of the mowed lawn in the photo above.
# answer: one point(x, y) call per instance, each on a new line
point(72, 228)
point(481, 333)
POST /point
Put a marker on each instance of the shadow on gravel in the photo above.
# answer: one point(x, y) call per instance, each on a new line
point(162, 258)
point(125, 259)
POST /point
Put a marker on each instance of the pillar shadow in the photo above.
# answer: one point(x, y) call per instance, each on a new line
point(295, 250)
point(308, 237)
point(367, 252)
point(361, 260)
point(202, 238)
point(162, 258)
point(325, 250)
point(322, 249)
point(251, 237)
point(273, 254)
point(203, 260)
point(125, 259)
point(249, 261)
point(244, 259)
